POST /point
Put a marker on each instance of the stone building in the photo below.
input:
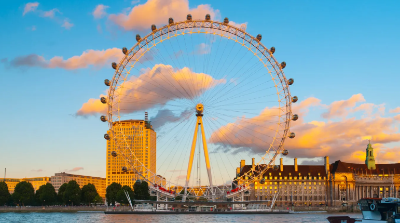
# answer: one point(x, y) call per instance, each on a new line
point(335, 184)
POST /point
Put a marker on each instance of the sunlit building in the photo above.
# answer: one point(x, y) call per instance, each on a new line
point(140, 142)
point(35, 181)
point(335, 184)
point(60, 178)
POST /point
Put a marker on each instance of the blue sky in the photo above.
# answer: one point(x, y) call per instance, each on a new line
point(333, 50)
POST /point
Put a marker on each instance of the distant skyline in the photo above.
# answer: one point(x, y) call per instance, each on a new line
point(55, 55)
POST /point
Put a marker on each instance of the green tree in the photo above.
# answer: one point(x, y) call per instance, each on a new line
point(4, 194)
point(61, 191)
point(97, 200)
point(141, 190)
point(46, 194)
point(111, 192)
point(121, 197)
point(24, 194)
point(89, 192)
point(72, 194)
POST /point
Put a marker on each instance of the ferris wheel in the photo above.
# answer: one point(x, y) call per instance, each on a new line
point(217, 96)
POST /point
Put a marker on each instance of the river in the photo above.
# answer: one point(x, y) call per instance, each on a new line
point(101, 217)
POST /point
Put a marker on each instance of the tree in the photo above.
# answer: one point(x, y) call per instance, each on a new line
point(121, 197)
point(89, 192)
point(72, 193)
point(46, 194)
point(111, 192)
point(61, 191)
point(141, 190)
point(23, 193)
point(97, 199)
point(4, 194)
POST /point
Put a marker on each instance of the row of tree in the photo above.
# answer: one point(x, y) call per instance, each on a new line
point(69, 193)
point(115, 192)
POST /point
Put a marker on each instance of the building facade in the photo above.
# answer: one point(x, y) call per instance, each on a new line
point(35, 181)
point(335, 184)
point(140, 139)
point(60, 178)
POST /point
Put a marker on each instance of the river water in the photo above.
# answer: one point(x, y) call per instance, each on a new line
point(101, 217)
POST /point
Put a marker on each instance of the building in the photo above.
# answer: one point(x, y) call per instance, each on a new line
point(61, 178)
point(35, 181)
point(140, 139)
point(333, 184)
point(300, 185)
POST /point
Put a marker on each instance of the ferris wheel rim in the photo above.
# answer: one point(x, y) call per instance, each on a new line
point(206, 24)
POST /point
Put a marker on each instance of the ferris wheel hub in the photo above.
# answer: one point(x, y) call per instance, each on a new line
point(199, 108)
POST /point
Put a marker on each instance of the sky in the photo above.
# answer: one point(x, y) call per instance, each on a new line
point(54, 56)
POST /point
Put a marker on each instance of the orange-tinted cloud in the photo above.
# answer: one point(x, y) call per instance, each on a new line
point(30, 7)
point(155, 87)
point(100, 11)
point(345, 139)
point(396, 110)
point(142, 16)
point(95, 58)
point(339, 108)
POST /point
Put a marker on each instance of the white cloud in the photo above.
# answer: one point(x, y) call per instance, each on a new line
point(67, 24)
point(100, 11)
point(30, 7)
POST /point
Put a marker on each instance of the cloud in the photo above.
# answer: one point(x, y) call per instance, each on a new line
point(396, 110)
point(75, 169)
point(165, 116)
point(142, 16)
point(30, 7)
point(38, 170)
point(100, 11)
point(96, 58)
point(155, 87)
point(242, 26)
point(318, 161)
point(202, 48)
point(345, 139)
point(339, 108)
point(33, 28)
point(134, 2)
point(50, 13)
point(67, 24)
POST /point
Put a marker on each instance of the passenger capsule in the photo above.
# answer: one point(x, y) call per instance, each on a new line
point(170, 21)
point(114, 65)
point(124, 169)
point(283, 64)
point(106, 136)
point(276, 167)
point(262, 181)
point(138, 38)
point(226, 20)
point(124, 50)
point(295, 117)
point(208, 17)
point(107, 82)
point(259, 37)
point(153, 27)
point(292, 135)
point(294, 99)
point(189, 17)
point(285, 152)
point(290, 81)
point(272, 50)
point(103, 118)
point(114, 154)
point(103, 100)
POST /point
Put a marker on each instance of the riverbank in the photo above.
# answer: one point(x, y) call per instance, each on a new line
point(75, 209)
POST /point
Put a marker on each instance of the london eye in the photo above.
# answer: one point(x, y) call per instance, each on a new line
point(216, 95)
